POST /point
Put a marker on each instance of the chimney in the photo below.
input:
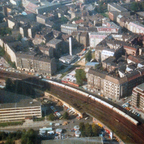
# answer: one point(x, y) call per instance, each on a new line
point(70, 46)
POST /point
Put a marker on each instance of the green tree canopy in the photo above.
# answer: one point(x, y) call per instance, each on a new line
point(66, 115)
point(134, 6)
point(82, 126)
point(64, 19)
point(10, 141)
point(19, 37)
point(51, 117)
point(28, 137)
point(88, 56)
point(88, 130)
point(5, 31)
point(80, 76)
point(95, 129)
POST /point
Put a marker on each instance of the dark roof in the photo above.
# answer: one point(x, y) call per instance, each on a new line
point(12, 100)
point(55, 41)
point(97, 72)
point(108, 77)
point(8, 39)
point(134, 59)
point(84, 34)
point(110, 61)
point(43, 58)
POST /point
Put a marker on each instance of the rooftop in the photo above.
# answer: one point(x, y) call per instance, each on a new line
point(12, 100)
point(91, 63)
point(117, 6)
point(141, 87)
point(97, 140)
point(55, 41)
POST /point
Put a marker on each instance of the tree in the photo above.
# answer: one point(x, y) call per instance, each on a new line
point(3, 135)
point(64, 19)
point(95, 129)
point(80, 76)
point(5, 31)
point(19, 37)
point(51, 117)
point(88, 130)
point(18, 134)
point(134, 6)
point(10, 141)
point(65, 115)
point(88, 56)
point(82, 126)
point(28, 137)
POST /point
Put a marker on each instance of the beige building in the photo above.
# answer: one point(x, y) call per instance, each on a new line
point(69, 28)
point(112, 86)
point(138, 97)
point(81, 37)
point(15, 107)
point(9, 45)
point(108, 86)
point(39, 64)
point(46, 50)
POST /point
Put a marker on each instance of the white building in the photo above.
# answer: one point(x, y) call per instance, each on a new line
point(17, 107)
point(107, 53)
point(95, 38)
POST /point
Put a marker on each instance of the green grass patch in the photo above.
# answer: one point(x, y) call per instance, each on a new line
point(39, 119)
point(104, 14)
point(10, 124)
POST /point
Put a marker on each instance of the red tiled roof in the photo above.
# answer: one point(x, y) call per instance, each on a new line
point(134, 59)
point(79, 21)
point(31, 7)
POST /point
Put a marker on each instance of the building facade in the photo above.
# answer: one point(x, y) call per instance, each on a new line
point(69, 28)
point(18, 108)
point(114, 87)
point(39, 64)
point(138, 97)
point(95, 38)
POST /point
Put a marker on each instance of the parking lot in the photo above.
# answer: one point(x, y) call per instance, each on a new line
point(67, 125)
point(127, 105)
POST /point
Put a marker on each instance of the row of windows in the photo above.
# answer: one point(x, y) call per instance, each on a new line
point(23, 111)
point(21, 115)
point(21, 108)
point(16, 118)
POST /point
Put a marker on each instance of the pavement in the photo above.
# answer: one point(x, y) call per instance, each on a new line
point(39, 124)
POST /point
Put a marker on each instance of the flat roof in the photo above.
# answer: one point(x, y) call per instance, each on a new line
point(91, 63)
point(141, 87)
point(88, 140)
point(54, 41)
point(13, 100)
point(117, 6)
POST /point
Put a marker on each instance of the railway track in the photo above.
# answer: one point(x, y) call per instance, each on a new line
point(130, 132)
point(127, 131)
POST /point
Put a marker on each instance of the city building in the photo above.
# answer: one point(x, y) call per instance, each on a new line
point(46, 50)
point(117, 8)
point(40, 64)
point(14, 107)
point(69, 28)
point(81, 37)
point(109, 27)
point(54, 43)
point(111, 85)
point(138, 97)
point(95, 38)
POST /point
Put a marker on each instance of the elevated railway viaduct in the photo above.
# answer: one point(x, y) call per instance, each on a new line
point(127, 131)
